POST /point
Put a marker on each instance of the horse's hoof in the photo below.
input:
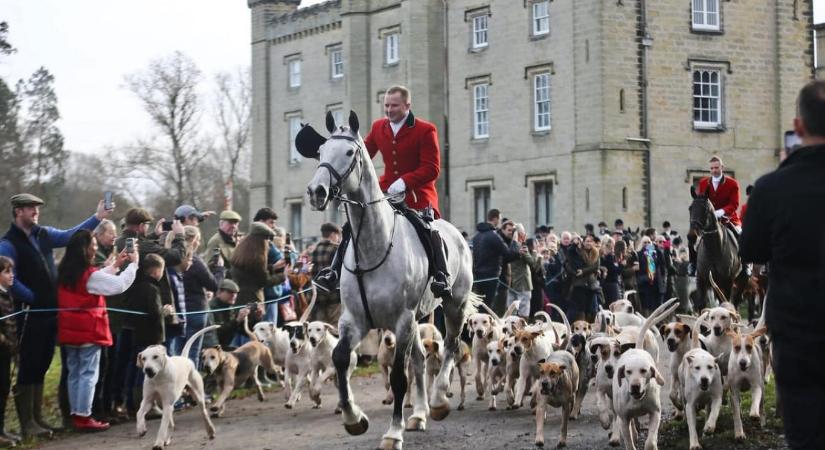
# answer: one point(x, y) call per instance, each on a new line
point(440, 412)
point(287, 406)
point(492, 408)
point(561, 444)
point(540, 444)
point(389, 444)
point(479, 398)
point(573, 417)
point(416, 424)
point(460, 407)
point(337, 410)
point(358, 428)
point(386, 401)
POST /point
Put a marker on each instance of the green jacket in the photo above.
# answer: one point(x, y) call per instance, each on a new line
point(252, 283)
point(227, 246)
point(520, 271)
point(226, 319)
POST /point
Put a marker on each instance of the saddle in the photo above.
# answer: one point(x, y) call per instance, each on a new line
point(421, 220)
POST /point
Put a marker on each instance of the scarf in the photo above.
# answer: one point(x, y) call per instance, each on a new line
point(650, 253)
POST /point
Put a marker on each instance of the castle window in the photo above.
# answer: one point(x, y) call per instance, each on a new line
point(295, 73)
point(391, 48)
point(541, 17)
point(337, 63)
point(541, 101)
point(481, 110)
point(480, 31)
point(481, 203)
point(543, 203)
point(294, 122)
point(707, 98)
point(705, 15)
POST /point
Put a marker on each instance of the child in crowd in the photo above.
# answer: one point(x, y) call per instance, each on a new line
point(8, 346)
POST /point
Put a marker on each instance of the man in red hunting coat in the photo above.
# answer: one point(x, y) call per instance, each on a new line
point(412, 162)
point(723, 193)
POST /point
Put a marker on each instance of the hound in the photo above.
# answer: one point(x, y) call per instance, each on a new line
point(386, 355)
point(718, 343)
point(166, 378)
point(426, 331)
point(233, 369)
point(746, 372)
point(700, 383)
point(276, 339)
point(605, 351)
point(578, 347)
point(320, 336)
point(497, 373)
point(298, 362)
point(533, 345)
point(557, 382)
point(677, 339)
point(623, 304)
point(485, 328)
point(634, 392)
point(512, 372)
point(434, 357)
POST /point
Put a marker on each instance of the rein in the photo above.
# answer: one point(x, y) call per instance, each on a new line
point(335, 193)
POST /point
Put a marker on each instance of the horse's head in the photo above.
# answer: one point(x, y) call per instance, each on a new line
point(701, 211)
point(339, 156)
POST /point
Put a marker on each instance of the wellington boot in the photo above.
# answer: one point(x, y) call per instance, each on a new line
point(24, 402)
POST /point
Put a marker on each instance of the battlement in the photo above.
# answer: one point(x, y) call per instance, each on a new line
point(305, 21)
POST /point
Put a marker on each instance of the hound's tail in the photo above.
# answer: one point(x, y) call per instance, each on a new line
point(191, 341)
point(664, 310)
point(696, 330)
point(566, 341)
point(507, 313)
point(628, 293)
point(311, 305)
point(718, 291)
point(249, 332)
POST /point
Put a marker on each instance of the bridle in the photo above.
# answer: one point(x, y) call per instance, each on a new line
point(712, 226)
point(335, 188)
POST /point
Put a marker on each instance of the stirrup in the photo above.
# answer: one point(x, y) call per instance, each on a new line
point(440, 285)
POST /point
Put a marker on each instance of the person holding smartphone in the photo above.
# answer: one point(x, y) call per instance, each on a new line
point(226, 238)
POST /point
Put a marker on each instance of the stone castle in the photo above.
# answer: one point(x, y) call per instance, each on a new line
point(558, 112)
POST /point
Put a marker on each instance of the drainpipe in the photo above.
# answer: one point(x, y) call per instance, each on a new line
point(645, 42)
point(268, 103)
point(446, 106)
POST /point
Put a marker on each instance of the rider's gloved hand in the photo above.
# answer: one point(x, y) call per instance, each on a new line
point(718, 213)
point(397, 187)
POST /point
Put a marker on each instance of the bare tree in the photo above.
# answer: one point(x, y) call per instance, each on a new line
point(167, 90)
point(232, 112)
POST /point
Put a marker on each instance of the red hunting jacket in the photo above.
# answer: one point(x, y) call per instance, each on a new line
point(725, 197)
point(412, 155)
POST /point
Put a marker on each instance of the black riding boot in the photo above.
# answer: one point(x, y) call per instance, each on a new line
point(692, 256)
point(328, 277)
point(441, 285)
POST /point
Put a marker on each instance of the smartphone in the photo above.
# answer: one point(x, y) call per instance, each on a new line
point(216, 251)
point(107, 200)
point(130, 245)
point(253, 306)
point(166, 225)
point(792, 142)
point(288, 238)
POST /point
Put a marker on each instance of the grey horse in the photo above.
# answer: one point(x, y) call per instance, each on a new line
point(387, 253)
point(717, 251)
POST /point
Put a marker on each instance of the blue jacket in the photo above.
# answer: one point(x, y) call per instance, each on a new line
point(30, 285)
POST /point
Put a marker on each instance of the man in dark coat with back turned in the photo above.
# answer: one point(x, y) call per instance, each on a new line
point(31, 247)
point(783, 208)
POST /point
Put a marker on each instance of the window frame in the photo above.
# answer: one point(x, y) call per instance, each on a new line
point(719, 124)
point(704, 12)
point(294, 158)
point(296, 226)
point(535, 19)
point(477, 111)
point(486, 200)
point(536, 103)
point(475, 44)
point(292, 81)
point(550, 204)
point(333, 64)
point(392, 42)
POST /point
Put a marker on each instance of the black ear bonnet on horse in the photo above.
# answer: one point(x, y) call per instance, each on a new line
point(308, 141)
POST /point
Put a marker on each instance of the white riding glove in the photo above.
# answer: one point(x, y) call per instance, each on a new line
point(397, 187)
point(719, 213)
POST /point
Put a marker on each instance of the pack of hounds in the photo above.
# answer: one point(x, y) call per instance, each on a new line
point(617, 357)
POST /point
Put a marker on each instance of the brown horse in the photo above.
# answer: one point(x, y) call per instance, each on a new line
point(717, 251)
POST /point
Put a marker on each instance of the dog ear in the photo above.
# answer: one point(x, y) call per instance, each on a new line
point(620, 375)
point(331, 329)
point(657, 375)
point(736, 316)
point(594, 349)
point(689, 359)
point(625, 347)
point(688, 329)
point(139, 361)
point(759, 332)
point(662, 329)
point(217, 347)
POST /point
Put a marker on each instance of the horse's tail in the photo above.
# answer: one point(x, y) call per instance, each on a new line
point(716, 288)
point(472, 303)
point(309, 307)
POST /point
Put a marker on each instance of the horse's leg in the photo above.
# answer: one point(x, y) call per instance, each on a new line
point(418, 420)
point(355, 421)
point(394, 437)
point(454, 319)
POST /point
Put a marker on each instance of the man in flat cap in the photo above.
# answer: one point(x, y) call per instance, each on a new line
point(31, 247)
point(225, 239)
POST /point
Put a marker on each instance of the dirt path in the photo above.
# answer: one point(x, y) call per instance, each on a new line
point(250, 425)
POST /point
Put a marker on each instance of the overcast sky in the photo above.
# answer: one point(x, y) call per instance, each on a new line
point(89, 45)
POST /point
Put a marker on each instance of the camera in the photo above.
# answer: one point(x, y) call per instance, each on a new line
point(166, 225)
point(130, 245)
point(252, 306)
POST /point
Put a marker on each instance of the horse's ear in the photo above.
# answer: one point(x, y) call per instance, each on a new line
point(693, 191)
point(353, 122)
point(308, 142)
point(330, 122)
